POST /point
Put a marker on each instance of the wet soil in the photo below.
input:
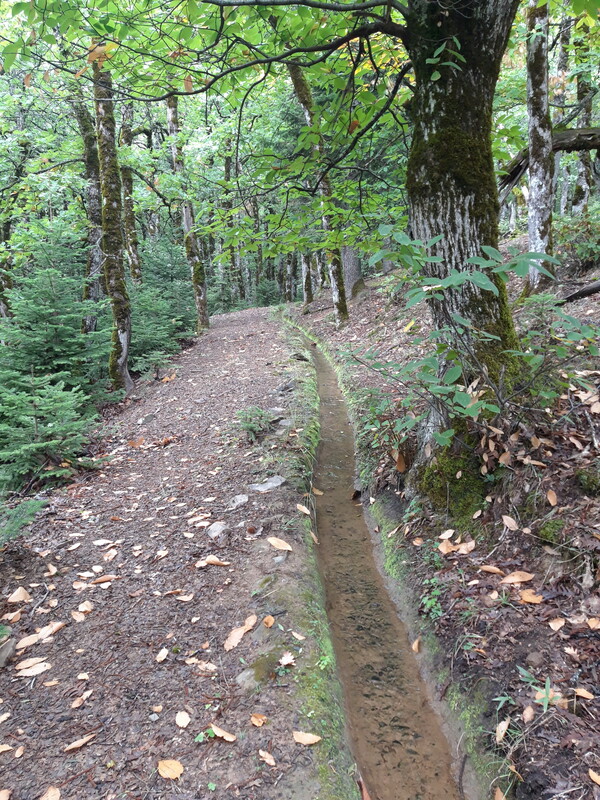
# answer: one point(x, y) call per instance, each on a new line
point(396, 736)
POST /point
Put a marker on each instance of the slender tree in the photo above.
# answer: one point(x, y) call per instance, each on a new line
point(129, 220)
point(192, 246)
point(112, 238)
point(585, 177)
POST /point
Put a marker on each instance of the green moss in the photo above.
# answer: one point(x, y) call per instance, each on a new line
point(589, 480)
point(438, 481)
point(550, 531)
point(265, 665)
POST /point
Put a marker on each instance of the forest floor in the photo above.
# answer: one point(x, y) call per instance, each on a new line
point(129, 595)
point(527, 653)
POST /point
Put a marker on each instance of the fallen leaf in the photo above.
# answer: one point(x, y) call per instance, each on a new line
point(83, 676)
point(36, 670)
point(182, 719)
point(27, 641)
point(258, 720)
point(214, 561)
point(50, 630)
point(162, 655)
point(79, 742)
point(318, 492)
point(501, 729)
point(594, 776)
point(517, 577)
point(4, 716)
point(465, 548)
point(581, 692)
point(5, 794)
point(20, 595)
point(493, 570)
point(305, 738)
point(104, 579)
point(416, 645)
point(529, 596)
point(156, 709)
point(418, 541)
point(5, 748)
point(278, 544)
point(287, 659)
point(552, 498)
point(78, 616)
point(269, 621)
point(264, 756)
point(594, 623)
point(185, 598)
point(446, 547)
point(447, 534)
point(228, 737)
point(528, 714)
point(79, 701)
point(303, 509)
point(85, 607)
point(28, 662)
point(52, 793)
point(499, 794)
point(170, 769)
point(298, 636)
point(18, 753)
point(236, 635)
point(510, 523)
point(557, 623)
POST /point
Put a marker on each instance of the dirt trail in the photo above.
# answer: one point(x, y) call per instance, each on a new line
point(149, 641)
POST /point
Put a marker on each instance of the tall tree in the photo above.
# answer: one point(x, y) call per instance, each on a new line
point(112, 238)
point(541, 158)
point(192, 246)
point(585, 177)
point(129, 220)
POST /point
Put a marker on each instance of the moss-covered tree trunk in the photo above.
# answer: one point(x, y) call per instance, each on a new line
point(307, 288)
point(93, 195)
point(541, 157)
point(334, 256)
point(129, 220)
point(112, 237)
point(451, 183)
point(192, 247)
point(585, 176)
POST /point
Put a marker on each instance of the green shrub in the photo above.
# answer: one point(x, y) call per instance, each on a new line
point(14, 520)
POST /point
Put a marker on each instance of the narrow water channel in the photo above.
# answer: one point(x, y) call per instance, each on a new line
point(396, 736)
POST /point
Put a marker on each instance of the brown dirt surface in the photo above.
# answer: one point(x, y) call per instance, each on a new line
point(143, 652)
point(526, 653)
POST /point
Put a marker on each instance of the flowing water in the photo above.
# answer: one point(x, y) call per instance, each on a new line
point(396, 736)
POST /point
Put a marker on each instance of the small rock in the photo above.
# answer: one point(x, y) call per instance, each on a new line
point(238, 501)
point(246, 680)
point(7, 651)
point(280, 558)
point(266, 486)
point(153, 717)
point(535, 659)
point(219, 533)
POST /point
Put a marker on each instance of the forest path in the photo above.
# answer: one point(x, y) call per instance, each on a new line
point(117, 560)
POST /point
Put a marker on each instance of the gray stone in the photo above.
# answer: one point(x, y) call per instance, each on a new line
point(535, 659)
point(153, 717)
point(266, 486)
point(7, 651)
point(247, 681)
point(219, 533)
point(238, 501)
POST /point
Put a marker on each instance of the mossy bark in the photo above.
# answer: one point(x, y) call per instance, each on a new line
point(334, 256)
point(6, 282)
point(541, 158)
point(307, 289)
point(451, 182)
point(193, 250)
point(129, 220)
point(112, 237)
point(585, 176)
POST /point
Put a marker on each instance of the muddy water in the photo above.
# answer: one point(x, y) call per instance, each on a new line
point(396, 736)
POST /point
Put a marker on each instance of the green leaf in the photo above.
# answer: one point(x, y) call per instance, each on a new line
point(435, 75)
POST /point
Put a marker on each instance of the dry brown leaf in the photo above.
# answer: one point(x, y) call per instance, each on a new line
point(303, 509)
point(510, 523)
point(20, 595)
point(465, 548)
point(35, 670)
point(5, 794)
point(418, 541)
point(501, 729)
point(499, 794)
point(79, 701)
point(185, 598)
point(318, 492)
point(314, 538)
point(581, 692)
point(529, 596)
point(214, 561)
point(78, 616)
point(266, 757)
point(594, 623)
point(528, 714)
point(5, 748)
point(28, 662)
point(298, 636)
point(557, 623)
point(79, 742)
point(170, 769)
point(156, 709)
point(52, 793)
point(446, 547)
point(83, 676)
point(104, 579)
point(278, 544)
point(594, 776)
point(305, 738)
point(269, 621)
point(228, 737)
point(552, 498)
point(182, 719)
point(18, 753)
point(50, 630)
point(162, 655)
point(492, 570)
point(27, 641)
point(258, 720)
point(287, 660)
point(517, 577)
point(4, 716)
point(416, 645)
point(236, 635)
point(51, 683)
point(447, 534)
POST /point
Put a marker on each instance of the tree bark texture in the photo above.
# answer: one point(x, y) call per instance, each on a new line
point(450, 182)
point(192, 247)
point(353, 279)
point(334, 256)
point(307, 290)
point(129, 220)
point(112, 238)
point(585, 177)
point(236, 278)
point(541, 159)
point(562, 65)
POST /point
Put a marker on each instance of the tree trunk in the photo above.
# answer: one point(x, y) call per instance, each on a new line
point(129, 221)
point(560, 91)
point(192, 247)
point(353, 279)
point(93, 271)
point(451, 183)
point(541, 160)
point(334, 257)
point(585, 177)
point(307, 291)
point(112, 239)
